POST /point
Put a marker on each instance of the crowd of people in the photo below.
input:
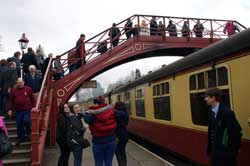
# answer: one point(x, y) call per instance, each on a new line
point(30, 67)
point(77, 57)
point(108, 129)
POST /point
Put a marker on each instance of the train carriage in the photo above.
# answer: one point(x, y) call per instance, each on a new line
point(167, 107)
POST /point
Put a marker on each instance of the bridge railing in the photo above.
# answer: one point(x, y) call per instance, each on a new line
point(213, 29)
point(40, 119)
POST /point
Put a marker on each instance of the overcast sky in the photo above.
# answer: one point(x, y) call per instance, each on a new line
point(56, 24)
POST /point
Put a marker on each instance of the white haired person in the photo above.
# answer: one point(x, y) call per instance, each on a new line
point(33, 80)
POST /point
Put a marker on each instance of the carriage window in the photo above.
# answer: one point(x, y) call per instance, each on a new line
point(127, 96)
point(127, 102)
point(192, 82)
point(128, 106)
point(211, 78)
point(208, 79)
point(162, 108)
point(119, 98)
point(139, 103)
point(201, 81)
point(222, 76)
point(161, 102)
point(139, 93)
point(140, 108)
point(164, 88)
point(200, 109)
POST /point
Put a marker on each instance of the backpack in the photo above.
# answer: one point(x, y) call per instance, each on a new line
point(5, 145)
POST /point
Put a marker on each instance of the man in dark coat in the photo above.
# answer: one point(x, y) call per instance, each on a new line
point(33, 80)
point(114, 34)
point(224, 131)
point(128, 28)
point(153, 27)
point(29, 59)
point(7, 82)
point(16, 59)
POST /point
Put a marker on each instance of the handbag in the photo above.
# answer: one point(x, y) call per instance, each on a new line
point(5, 145)
point(84, 142)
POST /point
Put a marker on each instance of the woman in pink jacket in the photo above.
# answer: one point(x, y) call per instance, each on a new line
point(2, 127)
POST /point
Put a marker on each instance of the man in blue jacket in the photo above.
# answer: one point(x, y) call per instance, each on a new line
point(224, 131)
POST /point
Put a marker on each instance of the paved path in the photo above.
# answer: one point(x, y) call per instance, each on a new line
point(136, 155)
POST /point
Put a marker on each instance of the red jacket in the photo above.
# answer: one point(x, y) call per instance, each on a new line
point(21, 99)
point(105, 123)
point(229, 29)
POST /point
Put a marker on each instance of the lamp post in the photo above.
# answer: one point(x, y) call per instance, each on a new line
point(23, 42)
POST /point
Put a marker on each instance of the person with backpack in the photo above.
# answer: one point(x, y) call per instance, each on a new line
point(224, 131)
point(61, 137)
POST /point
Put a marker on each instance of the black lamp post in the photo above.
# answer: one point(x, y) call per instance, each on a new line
point(23, 42)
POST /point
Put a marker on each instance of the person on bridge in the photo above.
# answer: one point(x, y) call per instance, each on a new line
point(135, 30)
point(61, 137)
point(224, 131)
point(22, 101)
point(230, 28)
point(144, 31)
point(153, 27)
point(185, 30)
point(102, 47)
point(121, 134)
point(114, 34)
point(58, 69)
point(162, 29)
point(171, 28)
point(198, 29)
point(128, 28)
point(80, 51)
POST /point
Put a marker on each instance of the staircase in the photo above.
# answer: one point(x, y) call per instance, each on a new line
point(20, 155)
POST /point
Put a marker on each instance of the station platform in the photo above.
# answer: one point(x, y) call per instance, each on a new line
point(136, 156)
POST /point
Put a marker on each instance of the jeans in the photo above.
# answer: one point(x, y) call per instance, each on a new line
point(120, 153)
point(23, 124)
point(104, 153)
point(77, 153)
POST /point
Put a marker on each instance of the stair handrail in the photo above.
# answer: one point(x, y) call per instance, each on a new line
point(39, 118)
